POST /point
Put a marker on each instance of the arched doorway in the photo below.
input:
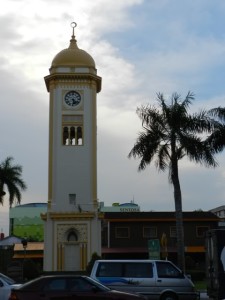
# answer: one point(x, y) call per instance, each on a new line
point(72, 251)
point(72, 247)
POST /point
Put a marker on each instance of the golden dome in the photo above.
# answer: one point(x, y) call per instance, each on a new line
point(73, 56)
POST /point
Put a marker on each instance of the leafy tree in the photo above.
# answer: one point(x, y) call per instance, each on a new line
point(10, 176)
point(169, 134)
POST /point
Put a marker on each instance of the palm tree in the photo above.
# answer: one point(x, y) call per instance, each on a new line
point(170, 133)
point(10, 176)
point(217, 139)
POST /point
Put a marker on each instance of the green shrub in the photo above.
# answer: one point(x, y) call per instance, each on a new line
point(196, 275)
point(30, 270)
point(94, 257)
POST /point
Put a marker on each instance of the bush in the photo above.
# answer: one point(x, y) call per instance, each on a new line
point(94, 257)
point(196, 275)
point(30, 270)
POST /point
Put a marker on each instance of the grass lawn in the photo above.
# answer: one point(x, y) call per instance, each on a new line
point(200, 285)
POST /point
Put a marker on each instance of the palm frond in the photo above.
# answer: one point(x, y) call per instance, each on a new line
point(11, 178)
point(167, 123)
point(218, 112)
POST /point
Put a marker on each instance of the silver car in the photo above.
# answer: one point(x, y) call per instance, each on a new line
point(156, 279)
point(6, 284)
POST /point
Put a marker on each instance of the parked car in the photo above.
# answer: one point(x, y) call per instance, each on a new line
point(156, 279)
point(67, 287)
point(6, 284)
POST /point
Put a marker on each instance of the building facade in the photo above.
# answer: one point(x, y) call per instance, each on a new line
point(25, 221)
point(128, 235)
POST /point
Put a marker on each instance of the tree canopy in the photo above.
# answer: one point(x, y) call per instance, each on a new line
point(11, 178)
point(171, 132)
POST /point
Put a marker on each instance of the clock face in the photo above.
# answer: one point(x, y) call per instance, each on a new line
point(72, 98)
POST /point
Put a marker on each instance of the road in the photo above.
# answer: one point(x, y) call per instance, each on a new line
point(203, 296)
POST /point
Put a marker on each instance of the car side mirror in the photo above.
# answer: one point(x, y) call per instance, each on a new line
point(181, 275)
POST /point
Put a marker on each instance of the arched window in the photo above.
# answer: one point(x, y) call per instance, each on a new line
point(72, 136)
point(79, 136)
point(72, 130)
point(72, 236)
point(65, 136)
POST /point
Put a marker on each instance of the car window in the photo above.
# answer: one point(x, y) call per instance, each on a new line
point(55, 284)
point(138, 270)
point(118, 269)
point(167, 270)
point(80, 284)
point(110, 269)
point(7, 279)
point(1, 283)
point(97, 284)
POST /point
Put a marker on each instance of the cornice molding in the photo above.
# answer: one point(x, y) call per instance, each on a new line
point(68, 215)
point(82, 77)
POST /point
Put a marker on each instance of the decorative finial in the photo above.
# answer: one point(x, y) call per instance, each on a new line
point(73, 25)
point(73, 41)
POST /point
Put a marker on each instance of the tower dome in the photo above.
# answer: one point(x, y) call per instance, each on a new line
point(73, 56)
point(73, 61)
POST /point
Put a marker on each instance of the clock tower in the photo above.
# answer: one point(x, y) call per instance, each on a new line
point(72, 224)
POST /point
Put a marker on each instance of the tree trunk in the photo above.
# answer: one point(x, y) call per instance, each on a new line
point(179, 224)
point(178, 209)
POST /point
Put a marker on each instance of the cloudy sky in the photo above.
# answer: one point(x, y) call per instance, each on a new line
point(141, 47)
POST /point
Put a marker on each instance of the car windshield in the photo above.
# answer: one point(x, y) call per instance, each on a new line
point(98, 284)
point(7, 279)
point(35, 283)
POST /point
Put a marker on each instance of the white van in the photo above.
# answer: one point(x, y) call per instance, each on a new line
point(157, 279)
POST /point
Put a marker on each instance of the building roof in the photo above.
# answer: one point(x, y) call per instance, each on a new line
point(160, 216)
point(35, 204)
point(218, 208)
point(10, 240)
point(33, 250)
point(31, 246)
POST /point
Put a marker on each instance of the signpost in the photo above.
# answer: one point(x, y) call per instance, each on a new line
point(154, 249)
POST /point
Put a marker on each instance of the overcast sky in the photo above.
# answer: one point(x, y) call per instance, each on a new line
point(141, 47)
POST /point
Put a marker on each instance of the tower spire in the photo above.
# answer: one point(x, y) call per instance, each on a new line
point(73, 41)
point(73, 25)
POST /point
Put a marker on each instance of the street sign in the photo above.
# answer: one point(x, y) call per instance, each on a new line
point(154, 249)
